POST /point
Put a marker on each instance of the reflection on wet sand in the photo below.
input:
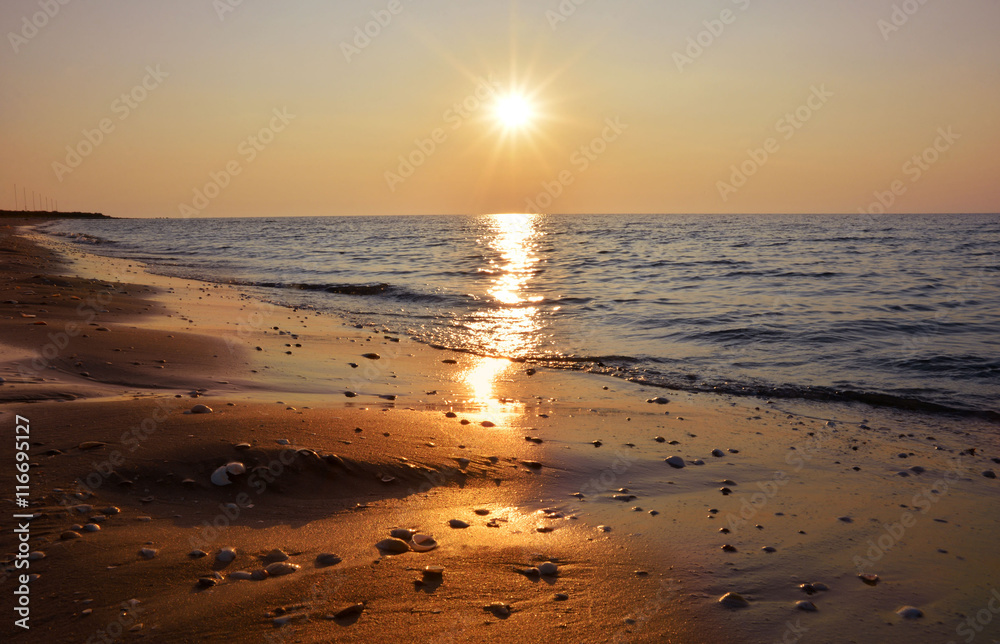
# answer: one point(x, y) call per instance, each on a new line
point(511, 325)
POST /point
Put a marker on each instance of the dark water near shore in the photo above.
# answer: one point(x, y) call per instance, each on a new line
point(901, 311)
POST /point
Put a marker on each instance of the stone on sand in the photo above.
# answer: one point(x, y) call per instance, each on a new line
point(733, 600)
point(675, 462)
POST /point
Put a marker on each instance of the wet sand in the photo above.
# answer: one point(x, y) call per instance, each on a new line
point(109, 379)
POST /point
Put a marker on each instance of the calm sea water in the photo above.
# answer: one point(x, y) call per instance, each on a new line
point(894, 310)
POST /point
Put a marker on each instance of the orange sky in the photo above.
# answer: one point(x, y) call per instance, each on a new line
point(228, 108)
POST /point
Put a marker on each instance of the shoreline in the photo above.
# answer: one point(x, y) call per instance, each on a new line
point(405, 469)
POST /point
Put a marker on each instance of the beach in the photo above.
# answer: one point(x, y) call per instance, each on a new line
point(824, 520)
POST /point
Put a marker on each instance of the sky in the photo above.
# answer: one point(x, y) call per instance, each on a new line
point(221, 108)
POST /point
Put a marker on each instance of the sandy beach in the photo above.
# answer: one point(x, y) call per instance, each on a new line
point(653, 504)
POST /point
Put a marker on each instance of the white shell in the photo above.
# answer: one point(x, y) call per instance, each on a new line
point(393, 545)
point(221, 475)
point(423, 543)
point(226, 554)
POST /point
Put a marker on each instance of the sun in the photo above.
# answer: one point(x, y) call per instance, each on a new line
point(514, 111)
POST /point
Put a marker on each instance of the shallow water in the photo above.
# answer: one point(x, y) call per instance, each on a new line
point(901, 311)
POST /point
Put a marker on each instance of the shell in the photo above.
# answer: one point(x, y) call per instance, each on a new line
point(433, 571)
point(348, 611)
point(807, 606)
point(675, 461)
point(458, 523)
point(910, 612)
point(402, 533)
point(226, 554)
point(733, 600)
point(498, 609)
point(241, 575)
point(393, 545)
point(148, 553)
point(328, 559)
point(201, 409)
point(276, 555)
point(423, 543)
point(221, 475)
point(279, 568)
point(548, 568)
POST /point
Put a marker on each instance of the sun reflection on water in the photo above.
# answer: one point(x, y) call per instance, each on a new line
point(510, 326)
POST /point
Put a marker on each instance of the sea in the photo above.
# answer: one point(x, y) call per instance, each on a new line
point(895, 311)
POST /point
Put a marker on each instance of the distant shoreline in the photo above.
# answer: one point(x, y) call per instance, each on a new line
point(45, 214)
